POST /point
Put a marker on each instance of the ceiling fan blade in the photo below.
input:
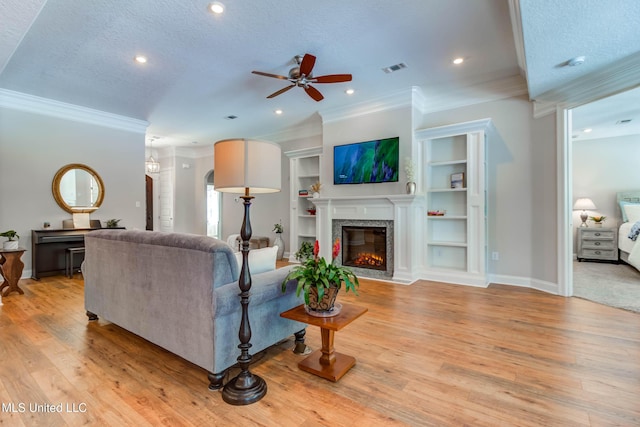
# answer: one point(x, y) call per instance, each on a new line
point(314, 93)
point(332, 78)
point(270, 75)
point(281, 91)
point(308, 61)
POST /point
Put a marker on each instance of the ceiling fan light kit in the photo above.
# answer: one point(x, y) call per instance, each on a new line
point(301, 76)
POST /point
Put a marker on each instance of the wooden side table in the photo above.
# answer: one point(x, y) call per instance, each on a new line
point(11, 270)
point(326, 362)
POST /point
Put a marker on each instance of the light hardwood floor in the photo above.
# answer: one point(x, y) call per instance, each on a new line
point(427, 354)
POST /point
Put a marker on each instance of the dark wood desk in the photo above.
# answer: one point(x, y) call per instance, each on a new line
point(326, 362)
point(49, 249)
point(11, 270)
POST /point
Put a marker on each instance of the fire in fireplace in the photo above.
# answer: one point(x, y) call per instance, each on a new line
point(364, 247)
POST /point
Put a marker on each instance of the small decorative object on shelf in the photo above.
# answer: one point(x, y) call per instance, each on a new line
point(409, 169)
point(303, 193)
point(320, 282)
point(312, 211)
point(436, 213)
point(598, 220)
point(12, 242)
point(457, 180)
point(315, 189)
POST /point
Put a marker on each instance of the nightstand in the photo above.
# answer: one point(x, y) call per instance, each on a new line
point(598, 244)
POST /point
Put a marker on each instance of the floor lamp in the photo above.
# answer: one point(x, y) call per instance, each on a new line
point(246, 167)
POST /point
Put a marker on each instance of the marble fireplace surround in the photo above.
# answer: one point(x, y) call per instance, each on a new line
point(336, 231)
point(402, 210)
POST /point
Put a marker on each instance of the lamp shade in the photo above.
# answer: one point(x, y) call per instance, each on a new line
point(584, 204)
point(243, 163)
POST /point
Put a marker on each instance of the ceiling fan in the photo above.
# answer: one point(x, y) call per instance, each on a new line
point(301, 76)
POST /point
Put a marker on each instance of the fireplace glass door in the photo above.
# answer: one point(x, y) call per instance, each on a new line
point(364, 247)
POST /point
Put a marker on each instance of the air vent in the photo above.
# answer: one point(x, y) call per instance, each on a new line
point(231, 117)
point(395, 67)
point(623, 122)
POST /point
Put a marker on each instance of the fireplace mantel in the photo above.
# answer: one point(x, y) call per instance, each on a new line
point(403, 209)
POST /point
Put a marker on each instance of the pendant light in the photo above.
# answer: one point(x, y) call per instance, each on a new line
point(151, 165)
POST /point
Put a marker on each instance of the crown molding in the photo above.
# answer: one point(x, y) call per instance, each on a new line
point(308, 129)
point(494, 90)
point(48, 107)
point(518, 35)
point(623, 75)
point(402, 99)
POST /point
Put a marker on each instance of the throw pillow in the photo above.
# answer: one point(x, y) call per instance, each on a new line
point(260, 260)
point(632, 212)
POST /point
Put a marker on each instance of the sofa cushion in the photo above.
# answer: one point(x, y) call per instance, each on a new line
point(260, 260)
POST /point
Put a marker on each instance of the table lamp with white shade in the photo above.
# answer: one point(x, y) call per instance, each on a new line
point(246, 167)
point(584, 204)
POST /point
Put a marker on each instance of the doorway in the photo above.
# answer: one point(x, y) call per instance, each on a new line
point(214, 208)
point(149, 202)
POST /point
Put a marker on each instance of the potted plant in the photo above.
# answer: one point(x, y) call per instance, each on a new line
point(305, 252)
point(598, 220)
point(278, 240)
point(320, 282)
point(113, 223)
point(12, 242)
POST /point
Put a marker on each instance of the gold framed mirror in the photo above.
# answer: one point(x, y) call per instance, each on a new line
point(77, 188)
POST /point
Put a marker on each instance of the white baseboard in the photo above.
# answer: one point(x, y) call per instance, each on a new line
point(525, 282)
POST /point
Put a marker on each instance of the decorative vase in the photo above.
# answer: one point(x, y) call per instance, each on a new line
point(597, 224)
point(411, 187)
point(280, 244)
point(10, 245)
point(327, 306)
point(315, 195)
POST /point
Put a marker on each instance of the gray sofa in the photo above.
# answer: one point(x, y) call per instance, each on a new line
point(180, 291)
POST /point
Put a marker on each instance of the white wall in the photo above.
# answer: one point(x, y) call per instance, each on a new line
point(384, 124)
point(32, 149)
point(602, 168)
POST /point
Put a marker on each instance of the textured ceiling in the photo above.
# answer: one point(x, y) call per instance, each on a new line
point(199, 69)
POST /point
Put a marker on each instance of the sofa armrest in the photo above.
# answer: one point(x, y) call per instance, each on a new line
point(265, 287)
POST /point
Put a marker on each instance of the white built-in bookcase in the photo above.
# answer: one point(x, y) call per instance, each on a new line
point(454, 246)
point(304, 170)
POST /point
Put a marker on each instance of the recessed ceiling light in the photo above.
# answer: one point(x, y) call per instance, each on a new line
point(587, 130)
point(278, 111)
point(140, 59)
point(458, 61)
point(216, 7)
point(349, 91)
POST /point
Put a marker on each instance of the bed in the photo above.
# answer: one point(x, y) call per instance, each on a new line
point(629, 205)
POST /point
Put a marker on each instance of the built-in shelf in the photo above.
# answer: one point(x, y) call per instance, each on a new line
point(304, 167)
point(455, 242)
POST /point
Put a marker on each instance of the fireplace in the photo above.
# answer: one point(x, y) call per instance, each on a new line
point(366, 246)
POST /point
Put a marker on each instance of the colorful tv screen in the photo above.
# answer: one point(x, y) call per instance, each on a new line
point(366, 162)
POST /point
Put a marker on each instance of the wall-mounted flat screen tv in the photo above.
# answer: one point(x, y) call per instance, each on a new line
point(366, 162)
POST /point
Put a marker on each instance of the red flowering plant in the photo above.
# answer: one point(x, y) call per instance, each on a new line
point(316, 272)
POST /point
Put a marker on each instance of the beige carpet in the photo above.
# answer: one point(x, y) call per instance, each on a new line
point(617, 285)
